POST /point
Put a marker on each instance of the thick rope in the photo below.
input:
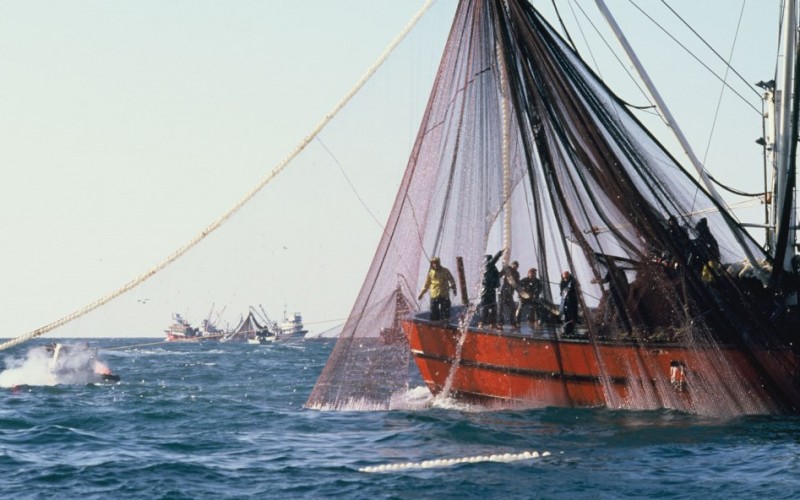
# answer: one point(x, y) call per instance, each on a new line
point(505, 131)
point(224, 218)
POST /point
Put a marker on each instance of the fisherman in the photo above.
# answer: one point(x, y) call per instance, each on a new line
point(489, 284)
point(569, 302)
point(679, 238)
point(530, 288)
point(705, 241)
point(705, 252)
point(439, 281)
point(508, 307)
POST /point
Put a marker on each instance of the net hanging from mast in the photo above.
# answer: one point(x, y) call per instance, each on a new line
point(585, 189)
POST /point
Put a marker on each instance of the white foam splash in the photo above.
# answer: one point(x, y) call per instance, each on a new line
point(447, 462)
point(34, 369)
point(420, 398)
point(415, 398)
point(39, 368)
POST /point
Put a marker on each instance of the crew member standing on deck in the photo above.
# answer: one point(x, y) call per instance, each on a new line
point(489, 284)
point(569, 302)
point(439, 282)
point(530, 288)
point(508, 308)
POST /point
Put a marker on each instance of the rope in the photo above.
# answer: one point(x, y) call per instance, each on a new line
point(195, 339)
point(134, 346)
point(504, 130)
point(224, 218)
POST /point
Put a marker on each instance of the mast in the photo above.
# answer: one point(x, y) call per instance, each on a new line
point(783, 218)
point(673, 125)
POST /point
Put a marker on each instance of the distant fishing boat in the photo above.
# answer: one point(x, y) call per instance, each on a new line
point(291, 327)
point(209, 330)
point(181, 330)
point(251, 331)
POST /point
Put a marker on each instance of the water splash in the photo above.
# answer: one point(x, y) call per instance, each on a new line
point(53, 365)
point(33, 369)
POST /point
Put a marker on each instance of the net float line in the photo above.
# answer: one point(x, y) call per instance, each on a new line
point(447, 462)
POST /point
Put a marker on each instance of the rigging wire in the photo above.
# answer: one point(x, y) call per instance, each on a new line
point(728, 68)
point(583, 35)
point(645, 14)
point(250, 195)
point(734, 190)
point(699, 37)
point(721, 90)
point(636, 82)
point(350, 182)
point(563, 26)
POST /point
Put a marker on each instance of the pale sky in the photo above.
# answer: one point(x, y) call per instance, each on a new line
point(127, 127)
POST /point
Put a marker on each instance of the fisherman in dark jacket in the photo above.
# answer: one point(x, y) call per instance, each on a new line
point(489, 284)
point(508, 308)
point(530, 288)
point(569, 302)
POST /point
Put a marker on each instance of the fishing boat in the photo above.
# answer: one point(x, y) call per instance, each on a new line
point(180, 330)
point(208, 327)
point(291, 327)
point(250, 330)
point(669, 301)
point(209, 330)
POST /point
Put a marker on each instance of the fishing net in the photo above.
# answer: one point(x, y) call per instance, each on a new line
point(523, 149)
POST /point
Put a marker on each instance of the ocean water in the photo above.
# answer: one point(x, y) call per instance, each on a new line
point(221, 421)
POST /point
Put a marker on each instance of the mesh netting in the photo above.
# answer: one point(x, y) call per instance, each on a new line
point(523, 148)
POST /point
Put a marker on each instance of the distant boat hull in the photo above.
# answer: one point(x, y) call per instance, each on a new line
point(295, 334)
point(178, 337)
point(181, 331)
point(291, 327)
point(262, 340)
point(537, 369)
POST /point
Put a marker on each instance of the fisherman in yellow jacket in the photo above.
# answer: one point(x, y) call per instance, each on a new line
point(439, 281)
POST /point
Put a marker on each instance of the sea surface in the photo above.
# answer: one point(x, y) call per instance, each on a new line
point(210, 420)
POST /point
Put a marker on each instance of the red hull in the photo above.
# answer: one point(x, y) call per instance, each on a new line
point(508, 369)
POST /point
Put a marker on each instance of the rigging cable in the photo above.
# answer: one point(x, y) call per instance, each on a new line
point(728, 69)
point(564, 27)
point(583, 35)
point(734, 190)
point(694, 56)
point(721, 91)
point(224, 218)
point(727, 63)
point(350, 182)
point(622, 65)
